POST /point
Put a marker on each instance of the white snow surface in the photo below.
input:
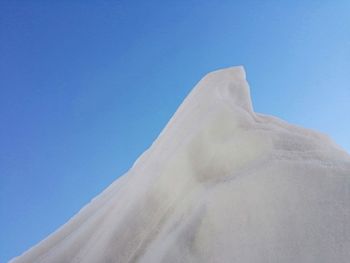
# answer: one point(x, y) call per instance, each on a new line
point(220, 184)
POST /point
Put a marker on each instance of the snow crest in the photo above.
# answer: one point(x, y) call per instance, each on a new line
point(220, 184)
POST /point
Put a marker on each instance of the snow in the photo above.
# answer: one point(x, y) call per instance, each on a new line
point(220, 184)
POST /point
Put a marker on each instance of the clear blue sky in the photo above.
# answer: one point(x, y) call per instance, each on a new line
point(86, 88)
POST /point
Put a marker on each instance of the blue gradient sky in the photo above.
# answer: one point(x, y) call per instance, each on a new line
point(86, 88)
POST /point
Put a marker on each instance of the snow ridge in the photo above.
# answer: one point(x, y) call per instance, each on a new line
point(220, 184)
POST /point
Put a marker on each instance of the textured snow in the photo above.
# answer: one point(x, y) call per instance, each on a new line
point(220, 184)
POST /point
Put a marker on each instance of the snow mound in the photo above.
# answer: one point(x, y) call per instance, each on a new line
point(220, 184)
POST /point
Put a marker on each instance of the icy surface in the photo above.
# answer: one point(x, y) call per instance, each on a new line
point(220, 184)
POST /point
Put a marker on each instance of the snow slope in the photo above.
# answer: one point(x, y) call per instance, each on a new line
point(220, 184)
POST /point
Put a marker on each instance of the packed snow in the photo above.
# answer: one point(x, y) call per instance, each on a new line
point(220, 184)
